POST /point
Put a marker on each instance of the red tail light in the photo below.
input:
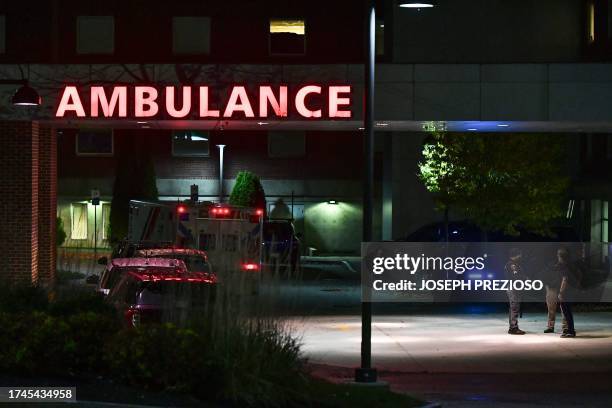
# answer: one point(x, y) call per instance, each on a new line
point(259, 212)
point(251, 267)
point(220, 211)
point(181, 209)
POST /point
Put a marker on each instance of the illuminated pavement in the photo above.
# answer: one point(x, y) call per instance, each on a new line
point(460, 343)
point(470, 360)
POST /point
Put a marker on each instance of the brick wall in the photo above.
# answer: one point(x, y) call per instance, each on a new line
point(329, 155)
point(47, 205)
point(19, 201)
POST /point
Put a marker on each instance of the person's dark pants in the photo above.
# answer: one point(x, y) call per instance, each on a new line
point(566, 309)
point(514, 309)
point(552, 301)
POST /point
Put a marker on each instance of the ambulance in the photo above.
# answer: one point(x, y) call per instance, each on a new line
point(235, 238)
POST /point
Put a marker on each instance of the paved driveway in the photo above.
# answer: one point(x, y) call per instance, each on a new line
point(469, 360)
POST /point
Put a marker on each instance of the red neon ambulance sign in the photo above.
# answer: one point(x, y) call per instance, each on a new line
point(200, 102)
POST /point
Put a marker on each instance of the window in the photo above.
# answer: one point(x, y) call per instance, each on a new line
point(94, 142)
point(78, 228)
point(2, 34)
point(229, 242)
point(286, 144)
point(106, 209)
point(190, 143)
point(95, 35)
point(287, 37)
point(208, 242)
point(191, 35)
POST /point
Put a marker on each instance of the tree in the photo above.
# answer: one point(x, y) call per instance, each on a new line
point(135, 180)
point(499, 181)
point(248, 191)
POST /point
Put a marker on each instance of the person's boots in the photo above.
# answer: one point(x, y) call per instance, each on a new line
point(549, 330)
point(515, 330)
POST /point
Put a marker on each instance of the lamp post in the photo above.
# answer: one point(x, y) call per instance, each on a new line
point(366, 373)
point(221, 149)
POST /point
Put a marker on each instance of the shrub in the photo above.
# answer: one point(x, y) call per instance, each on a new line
point(261, 365)
point(161, 356)
point(51, 345)
point(15, 298)
point(248, 191)
point(81, 301)
point(248, 365)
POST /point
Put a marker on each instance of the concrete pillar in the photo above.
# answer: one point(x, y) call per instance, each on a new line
point(19, 185)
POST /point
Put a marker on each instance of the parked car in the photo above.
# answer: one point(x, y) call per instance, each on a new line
point(125, 249)
point(148, 295)
point(463, 231)
point(195, 260)
point(118, 267)
point(281, 244)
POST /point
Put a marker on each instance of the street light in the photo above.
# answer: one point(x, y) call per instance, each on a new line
point(25, 94)
point(415, 4)
point(366, 373)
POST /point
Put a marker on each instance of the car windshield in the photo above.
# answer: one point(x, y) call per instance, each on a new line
point(194, 263)
point(170, 294)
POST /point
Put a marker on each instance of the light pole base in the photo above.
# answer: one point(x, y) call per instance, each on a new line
point(366, 375)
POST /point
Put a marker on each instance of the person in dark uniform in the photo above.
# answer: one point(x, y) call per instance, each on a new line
point(568, 282)
point(514, 271)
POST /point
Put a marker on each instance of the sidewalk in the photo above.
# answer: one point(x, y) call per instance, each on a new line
point(460, 343)
point(465, 361)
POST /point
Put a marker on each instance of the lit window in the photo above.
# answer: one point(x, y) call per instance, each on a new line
point(287, 37)
point(95, 35)
point(78, 216)
point(286, 144)
point(191, 35)
point(2, 34)
point(190, 143)
point(94, 142)
point(106, 209)
point(591, 22)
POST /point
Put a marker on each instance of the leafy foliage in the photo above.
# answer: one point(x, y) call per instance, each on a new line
point(248, 191)
point(499, 181)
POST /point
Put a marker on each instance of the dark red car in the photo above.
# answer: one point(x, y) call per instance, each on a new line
point(142, 296)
